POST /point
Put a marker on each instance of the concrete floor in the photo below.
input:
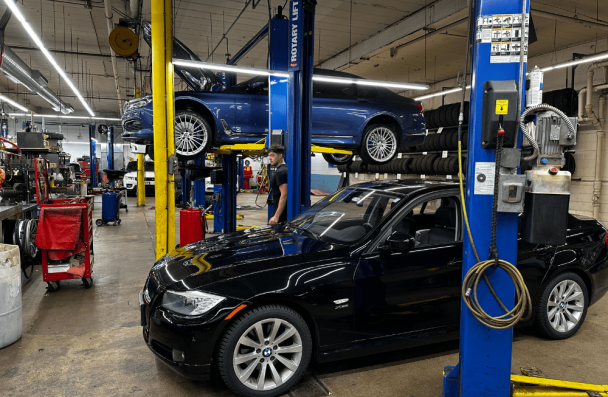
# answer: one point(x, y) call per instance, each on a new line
point(80, 342)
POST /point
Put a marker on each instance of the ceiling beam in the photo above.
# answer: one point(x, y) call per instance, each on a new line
point(415, 22)
point(80, 54)
point(558, 17)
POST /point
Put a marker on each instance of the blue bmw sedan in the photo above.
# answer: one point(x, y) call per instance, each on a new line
point(373, 122)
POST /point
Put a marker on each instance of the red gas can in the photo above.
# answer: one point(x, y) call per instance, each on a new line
point(191, 226)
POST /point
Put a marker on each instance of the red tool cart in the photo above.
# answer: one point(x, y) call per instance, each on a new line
point(65, 234)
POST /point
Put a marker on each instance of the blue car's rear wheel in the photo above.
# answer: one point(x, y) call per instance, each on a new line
point(379, 144)
point(192, 134)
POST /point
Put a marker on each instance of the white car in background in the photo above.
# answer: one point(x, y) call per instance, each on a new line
point(130, 179)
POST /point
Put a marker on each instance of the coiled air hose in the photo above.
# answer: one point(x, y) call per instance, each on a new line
point(523, 304)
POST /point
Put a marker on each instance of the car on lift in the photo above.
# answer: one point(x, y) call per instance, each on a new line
point(373, 122)
point(372, 268)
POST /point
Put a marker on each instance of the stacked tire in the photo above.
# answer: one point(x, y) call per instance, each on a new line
point(446, 116)
point(430, 164)
point(446, 140)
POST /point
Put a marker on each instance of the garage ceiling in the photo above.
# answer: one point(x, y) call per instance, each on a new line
point(426, 55)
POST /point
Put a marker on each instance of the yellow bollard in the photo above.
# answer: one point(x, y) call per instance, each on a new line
point(141, 180)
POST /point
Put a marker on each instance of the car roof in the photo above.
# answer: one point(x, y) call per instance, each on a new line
point(408, 186)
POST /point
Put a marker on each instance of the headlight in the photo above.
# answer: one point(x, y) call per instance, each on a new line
point(137, 103)
point(191, 303)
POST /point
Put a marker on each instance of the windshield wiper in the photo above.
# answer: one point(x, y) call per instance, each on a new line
point(310, 232)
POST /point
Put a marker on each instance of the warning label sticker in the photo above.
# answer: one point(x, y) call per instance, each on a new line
point(506, 33)
point(484, 178)
point(502, 106)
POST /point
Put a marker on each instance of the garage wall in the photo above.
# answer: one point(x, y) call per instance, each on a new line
point(324, 177)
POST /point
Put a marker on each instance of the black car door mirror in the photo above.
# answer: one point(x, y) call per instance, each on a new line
point(256, 85)
point(398, 242)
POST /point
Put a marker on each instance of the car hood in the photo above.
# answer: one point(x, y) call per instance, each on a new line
point(238, 254)
point(198, 79)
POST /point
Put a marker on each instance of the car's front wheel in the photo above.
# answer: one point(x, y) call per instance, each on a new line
point(192, 134)
point(265, 352)
point(379, 144)
point(338, 159)
point(562, 307)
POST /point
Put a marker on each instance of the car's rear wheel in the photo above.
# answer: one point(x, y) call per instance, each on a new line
point(379, 144)
point(150, 151)
point(192, 134)
point(338, 159)
point(265, 352)
point(562, 307)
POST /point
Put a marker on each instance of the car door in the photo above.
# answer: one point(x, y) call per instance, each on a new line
point(339, 110)
point(417, 291)
point(251, 108)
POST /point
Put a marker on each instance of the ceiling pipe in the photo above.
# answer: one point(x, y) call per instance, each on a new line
point(109, 16)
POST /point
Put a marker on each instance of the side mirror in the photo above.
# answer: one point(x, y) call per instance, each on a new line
point(255, 85)
point(398, 242)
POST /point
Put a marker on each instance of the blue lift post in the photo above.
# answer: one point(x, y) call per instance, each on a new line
point(110, 147)
point(199, 186)
point(92, 161)
point(301, 51)
point(484, 367)
point(278, 86)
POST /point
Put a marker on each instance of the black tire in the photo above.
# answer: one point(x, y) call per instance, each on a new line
point(449, 116)
point(428, 119)
point(194, 128)
point(465, 140)
point(444, 139)
point(438, 166)
point(466, 113)
point(443, 116)
point(428, 164)
point(369, 131)
point(570, 165)
point(455, 113)
point(437, 118)
point(228, 344)
point(338, 159)
point(416, 165)
point(454, 139)
point(542, 322)
point(99, 222)
point(150, 151)
point(407, 164)
point(453, 166)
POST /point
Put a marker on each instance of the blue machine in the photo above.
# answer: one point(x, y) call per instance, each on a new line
point(110, 205)
point(92, 156)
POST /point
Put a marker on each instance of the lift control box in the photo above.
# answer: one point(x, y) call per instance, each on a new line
point(499, 110)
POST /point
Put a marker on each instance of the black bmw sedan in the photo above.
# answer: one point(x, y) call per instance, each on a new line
point(338, 281)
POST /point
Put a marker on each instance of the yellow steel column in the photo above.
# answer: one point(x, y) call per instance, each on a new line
point(162, 73)
point(141, 180)
point(170, 123)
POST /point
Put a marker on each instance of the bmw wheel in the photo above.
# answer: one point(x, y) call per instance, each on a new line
point(265, 352)
point(192, 134)
point(379, 144)
point(562, 307)
point(338, 159)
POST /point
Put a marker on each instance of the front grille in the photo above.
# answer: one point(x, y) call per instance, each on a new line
point(133, 125)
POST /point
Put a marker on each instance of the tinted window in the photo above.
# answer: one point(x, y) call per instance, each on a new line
point(366, 91)
point(132, 166)
point(334, 90)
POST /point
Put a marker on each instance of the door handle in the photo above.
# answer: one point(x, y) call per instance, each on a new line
point(454, 262)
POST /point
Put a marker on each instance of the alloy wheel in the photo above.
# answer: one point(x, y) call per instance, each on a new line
point(381, 144)
point(190, 135)
point(267, 354)
point(565, 306)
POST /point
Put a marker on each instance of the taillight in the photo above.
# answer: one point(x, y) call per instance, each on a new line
point(606, 238)
point(421, 108)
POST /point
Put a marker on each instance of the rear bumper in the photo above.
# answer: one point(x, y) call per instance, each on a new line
point(143, 137)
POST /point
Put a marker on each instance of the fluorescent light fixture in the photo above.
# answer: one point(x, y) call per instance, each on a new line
point(11, 4)
point(228, 68)
point(264, 72)
point(420, 98)
point(13, 103)
point(578, 62)
point(56, 116)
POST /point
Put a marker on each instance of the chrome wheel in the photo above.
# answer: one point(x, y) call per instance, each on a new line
point(565, 306)
point(191, 134)
point(267, 354)
point(381, 144)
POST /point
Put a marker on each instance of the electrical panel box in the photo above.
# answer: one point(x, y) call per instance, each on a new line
point(511, 193)
point(499, 110)
point(173, 165)
point(217, 177)
point(276, 137)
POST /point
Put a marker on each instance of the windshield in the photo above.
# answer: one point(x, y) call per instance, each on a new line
point(348, 216)
point(132, 166)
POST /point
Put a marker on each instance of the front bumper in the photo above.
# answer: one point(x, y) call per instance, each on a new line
point(164, 332)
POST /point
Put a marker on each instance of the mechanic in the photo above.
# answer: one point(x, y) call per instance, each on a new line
point(278, 184)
